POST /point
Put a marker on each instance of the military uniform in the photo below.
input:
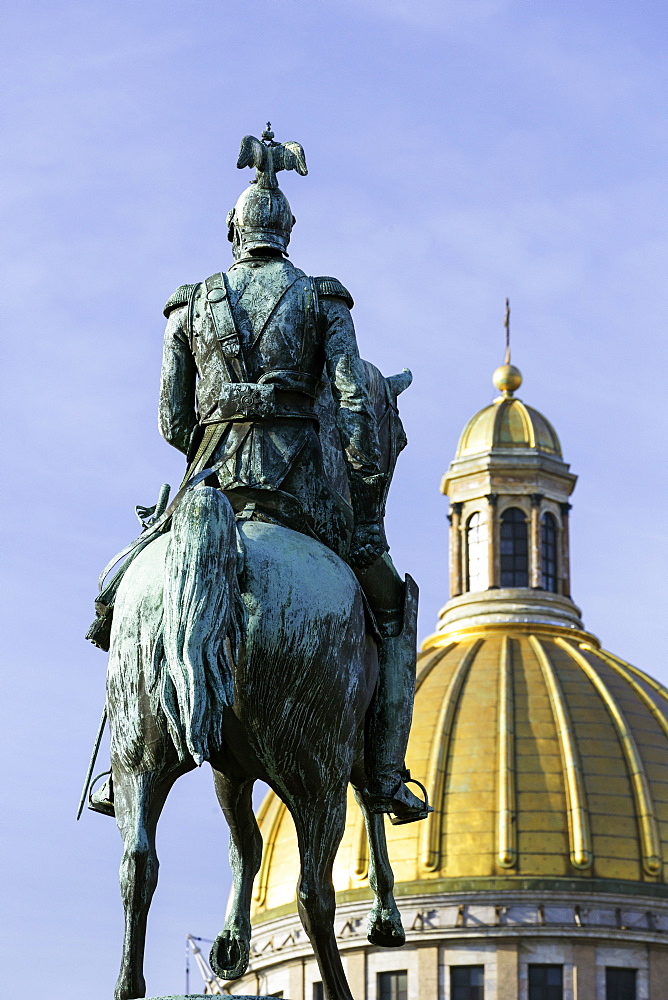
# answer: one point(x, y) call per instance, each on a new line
point(289, 331)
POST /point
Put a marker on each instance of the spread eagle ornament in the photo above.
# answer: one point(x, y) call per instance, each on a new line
point(268, 157)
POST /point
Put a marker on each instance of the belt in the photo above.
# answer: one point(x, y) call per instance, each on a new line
point(289, 400)
point(244, 401)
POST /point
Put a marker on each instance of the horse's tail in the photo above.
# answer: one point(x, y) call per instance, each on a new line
point(203, 621)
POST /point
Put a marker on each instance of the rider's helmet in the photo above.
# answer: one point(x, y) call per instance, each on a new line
point(262, 218)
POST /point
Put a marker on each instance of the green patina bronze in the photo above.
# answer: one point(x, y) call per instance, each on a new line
point(258, 622)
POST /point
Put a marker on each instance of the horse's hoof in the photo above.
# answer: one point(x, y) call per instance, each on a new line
point(230, 954)
point(385, 929)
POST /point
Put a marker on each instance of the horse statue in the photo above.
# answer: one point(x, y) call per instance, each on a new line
point(249, 645)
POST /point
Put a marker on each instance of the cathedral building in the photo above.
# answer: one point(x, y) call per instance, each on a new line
point(543, 872)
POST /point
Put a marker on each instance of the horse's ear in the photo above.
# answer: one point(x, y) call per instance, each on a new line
point(398, 383)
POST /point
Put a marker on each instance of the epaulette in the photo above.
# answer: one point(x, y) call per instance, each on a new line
point(332, 288)
point(179, 298)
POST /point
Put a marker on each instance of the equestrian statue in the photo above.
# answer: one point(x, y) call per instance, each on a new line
point(258, 622)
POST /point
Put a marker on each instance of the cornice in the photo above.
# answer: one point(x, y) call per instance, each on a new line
point(504, 608)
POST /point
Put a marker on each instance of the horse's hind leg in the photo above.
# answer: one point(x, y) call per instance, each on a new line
point(384, 927)
point(139, 800)
point(231, 949)
point(320, 825)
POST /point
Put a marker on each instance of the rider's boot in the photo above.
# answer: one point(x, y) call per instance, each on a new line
point(391, 711)
point(101, 799)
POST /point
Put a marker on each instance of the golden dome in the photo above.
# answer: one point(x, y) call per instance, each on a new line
point(508, 423)
point(545, 758)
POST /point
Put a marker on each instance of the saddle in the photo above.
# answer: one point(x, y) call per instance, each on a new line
point(249, 503)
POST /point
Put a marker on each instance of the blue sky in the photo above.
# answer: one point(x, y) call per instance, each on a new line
point(459, 153)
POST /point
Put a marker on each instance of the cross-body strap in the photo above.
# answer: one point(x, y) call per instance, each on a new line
point(227, 335)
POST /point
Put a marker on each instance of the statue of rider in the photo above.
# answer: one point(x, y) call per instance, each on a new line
point(246, 354)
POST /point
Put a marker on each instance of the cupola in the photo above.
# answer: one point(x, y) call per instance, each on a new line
point(509, 490)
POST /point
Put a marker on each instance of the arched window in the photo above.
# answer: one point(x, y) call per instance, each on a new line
point(476, 553)
point(549, 534)
point(514, 549)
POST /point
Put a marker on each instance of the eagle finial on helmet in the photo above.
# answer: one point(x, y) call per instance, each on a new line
point(268, 157)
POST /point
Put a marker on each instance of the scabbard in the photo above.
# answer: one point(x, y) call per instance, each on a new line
point(91, 766)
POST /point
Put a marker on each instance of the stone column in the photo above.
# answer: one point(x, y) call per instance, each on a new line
point(296, 981)
point(565, 561)
point(427, 969)
point(658, 972)
point(535, 544)
point(493, 561)
point(584, 971)
point(355, 968)
point(456, 554)
point(507, 972)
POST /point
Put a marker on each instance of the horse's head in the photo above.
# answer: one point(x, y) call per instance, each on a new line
point(392, 439)
point(391, 434)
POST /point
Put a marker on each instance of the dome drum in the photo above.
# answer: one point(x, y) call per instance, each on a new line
point(504, 930)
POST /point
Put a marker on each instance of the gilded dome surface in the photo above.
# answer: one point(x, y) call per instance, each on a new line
point(545, 758)
point(508, 423)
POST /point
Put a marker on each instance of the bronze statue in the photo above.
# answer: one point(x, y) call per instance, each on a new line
point(258, 622)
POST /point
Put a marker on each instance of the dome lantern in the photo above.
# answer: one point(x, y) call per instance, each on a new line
point(509, 490)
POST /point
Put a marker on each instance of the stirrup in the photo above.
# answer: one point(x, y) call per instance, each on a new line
point(414, 817)
point(102, 801)
point(385, 803)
